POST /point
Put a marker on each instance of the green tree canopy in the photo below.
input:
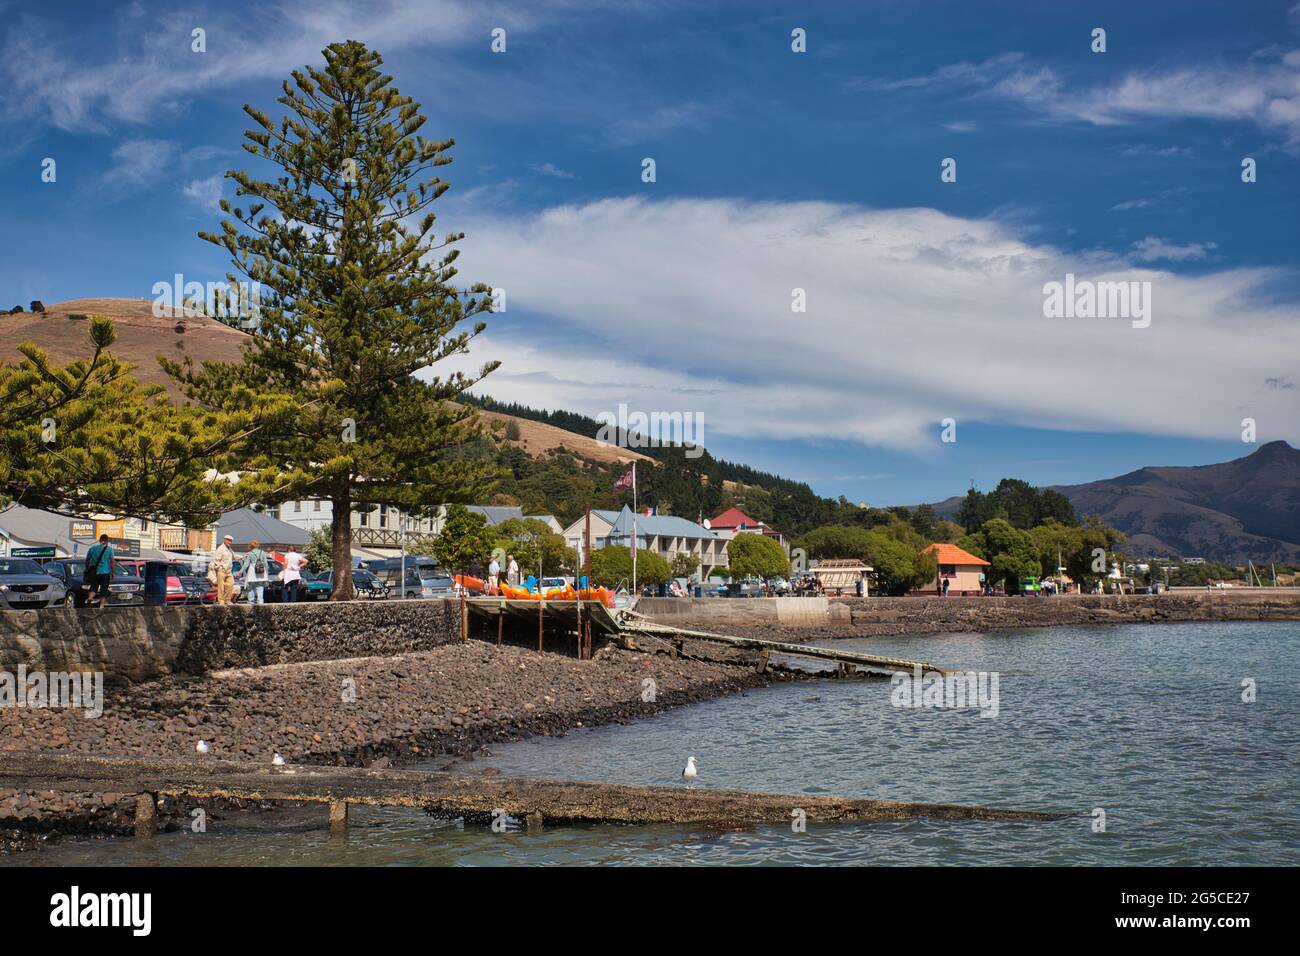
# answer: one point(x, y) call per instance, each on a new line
point(466, 540)
point(357, 295)
point(88, 437)
point(757, 556)
point(612, 566)
point(535, 545)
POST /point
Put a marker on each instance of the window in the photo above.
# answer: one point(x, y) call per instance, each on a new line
point(297, 507)
point(947, 569)
point(315, 505)
point(364, 517)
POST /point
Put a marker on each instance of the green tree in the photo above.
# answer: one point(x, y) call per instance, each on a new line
point(319, 549)
point(1010, 551)
point(684, 565)
point(89, 437)
point(612, 566)
point(466, 540)
point(899, 566)
point(757, 556)
point(357, 296)
point(535, 546)
point(1096, 549)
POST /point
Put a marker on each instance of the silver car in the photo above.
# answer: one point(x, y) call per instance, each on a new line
point(25, 587)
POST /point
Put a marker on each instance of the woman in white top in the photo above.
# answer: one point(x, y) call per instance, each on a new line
point(292, 574)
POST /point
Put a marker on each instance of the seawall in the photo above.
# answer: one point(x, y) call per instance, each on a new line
point(866, 617)
point(138, 644)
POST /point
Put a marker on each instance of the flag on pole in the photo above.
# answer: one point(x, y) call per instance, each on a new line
point(627, 480)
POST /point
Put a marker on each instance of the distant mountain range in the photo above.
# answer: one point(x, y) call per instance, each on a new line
point(1248, 508)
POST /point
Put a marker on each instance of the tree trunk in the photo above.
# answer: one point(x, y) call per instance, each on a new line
point(341, 542)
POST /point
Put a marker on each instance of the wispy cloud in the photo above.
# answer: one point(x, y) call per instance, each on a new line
point(1264, 91)
point(1152, 249)
point(205, 193)
point(550, 169)
point(139, 163)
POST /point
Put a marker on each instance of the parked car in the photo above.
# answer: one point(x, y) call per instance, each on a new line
point(315, 587)
point(744, 589)
point(424, 579)
point(125, 587)
point(171, 582)
point(25, 586)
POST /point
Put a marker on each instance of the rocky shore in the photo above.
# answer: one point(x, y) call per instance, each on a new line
point(449, 702)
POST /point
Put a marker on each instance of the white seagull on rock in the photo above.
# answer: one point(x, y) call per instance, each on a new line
point(277, 760)
point(689, 773)
point(203, 747)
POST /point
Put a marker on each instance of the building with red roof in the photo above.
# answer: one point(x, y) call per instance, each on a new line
point(733, 521)
point(963, 571)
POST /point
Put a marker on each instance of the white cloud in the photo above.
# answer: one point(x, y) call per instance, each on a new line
point(1152, 249)
point(550, 169)
point(158, 72)
point(205, 193)
point(1264, 91)
point(913, 316)
point(141, 162)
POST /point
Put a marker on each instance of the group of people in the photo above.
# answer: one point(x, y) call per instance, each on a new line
point(492, 585)
point(257, 572)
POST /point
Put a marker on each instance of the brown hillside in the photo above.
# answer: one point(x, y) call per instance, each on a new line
point(141, 336)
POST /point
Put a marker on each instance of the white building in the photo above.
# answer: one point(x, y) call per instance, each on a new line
point(666, 535)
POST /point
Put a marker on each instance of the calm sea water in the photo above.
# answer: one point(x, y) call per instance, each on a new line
point(1144, 722)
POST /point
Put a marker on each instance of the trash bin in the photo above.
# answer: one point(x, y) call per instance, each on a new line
point(699, 591)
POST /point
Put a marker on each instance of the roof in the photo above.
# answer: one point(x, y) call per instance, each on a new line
point(734, 518)
point(40, 527)
point(668, 526)
point(496, 514)
point(245, 525)
point(951, 554)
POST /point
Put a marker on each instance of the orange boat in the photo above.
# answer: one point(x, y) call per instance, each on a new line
point(471, 584)
point(566, 593)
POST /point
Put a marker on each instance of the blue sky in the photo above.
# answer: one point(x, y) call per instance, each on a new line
point(775, 171)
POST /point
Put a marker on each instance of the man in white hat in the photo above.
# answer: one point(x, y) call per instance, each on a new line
point(222, 561)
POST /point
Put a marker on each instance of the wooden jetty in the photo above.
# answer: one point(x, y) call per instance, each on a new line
point(474, 797)
point(849, 661)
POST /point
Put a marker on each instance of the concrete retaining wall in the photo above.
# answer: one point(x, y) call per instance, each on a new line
point(135, 644)
point(880, 616)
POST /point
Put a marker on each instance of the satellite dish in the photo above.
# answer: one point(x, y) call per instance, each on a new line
point(707, 524)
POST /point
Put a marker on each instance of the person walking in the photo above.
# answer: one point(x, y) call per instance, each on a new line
point(512, 571)
point(99, 571)
point(292, 574)
point(255, 573)
point(223, 560)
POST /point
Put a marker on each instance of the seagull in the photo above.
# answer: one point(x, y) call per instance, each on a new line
point(203, 747)
point(277, 761)
point(689, 773)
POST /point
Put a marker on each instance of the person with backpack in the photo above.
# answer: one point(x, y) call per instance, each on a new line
point(256, 573)
point(99, 571)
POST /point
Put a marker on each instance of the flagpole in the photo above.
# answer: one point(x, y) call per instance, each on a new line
point(635, 592)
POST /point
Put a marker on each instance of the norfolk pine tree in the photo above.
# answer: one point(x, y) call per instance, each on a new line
point(88, 437)
point(356, 297)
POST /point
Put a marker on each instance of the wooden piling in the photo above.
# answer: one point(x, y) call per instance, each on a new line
point(338, 816)
point(146, 816)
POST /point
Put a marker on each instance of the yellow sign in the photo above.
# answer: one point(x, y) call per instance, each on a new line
point(114, 529)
